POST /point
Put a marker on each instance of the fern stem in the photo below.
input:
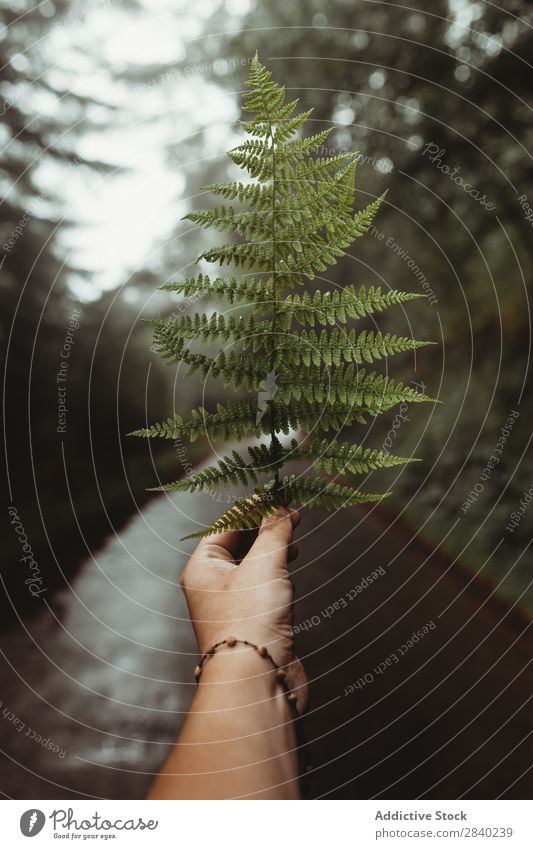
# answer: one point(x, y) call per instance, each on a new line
point(273, 438)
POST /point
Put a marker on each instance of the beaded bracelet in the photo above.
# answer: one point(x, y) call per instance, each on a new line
point(262, 651)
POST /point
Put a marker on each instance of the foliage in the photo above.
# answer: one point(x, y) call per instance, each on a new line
point(70, 489)
point(298, 220)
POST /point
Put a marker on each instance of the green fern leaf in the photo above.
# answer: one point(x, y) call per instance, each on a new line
point(332, 456)
point(289, 220)
point(318, 492)
point(246, 514)
point(236, 290)
point(336, 307)
point(309, 348)
point(371, 392)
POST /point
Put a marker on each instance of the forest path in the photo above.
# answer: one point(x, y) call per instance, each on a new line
point(109, 680)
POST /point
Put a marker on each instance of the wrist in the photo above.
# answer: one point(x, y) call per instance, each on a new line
point(239, 664)
point(239, 676)
point(241, 721)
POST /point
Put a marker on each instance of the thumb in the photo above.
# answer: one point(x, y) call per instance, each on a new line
point(275, 535)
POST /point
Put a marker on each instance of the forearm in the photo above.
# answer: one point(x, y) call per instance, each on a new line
point(238, 739)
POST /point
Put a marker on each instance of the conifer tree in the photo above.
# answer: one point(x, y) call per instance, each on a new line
point(294, 217)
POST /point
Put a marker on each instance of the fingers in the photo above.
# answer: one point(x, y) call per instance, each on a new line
point(276, 530)
point(223, 546)
point(275, 535)
point(296, 516)
point(273, 541)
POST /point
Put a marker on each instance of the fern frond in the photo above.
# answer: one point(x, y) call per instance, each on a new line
point(235, 289)
point(213, 327)
point(237, 419)
point(246, 514)
point(338, 346)
point(311, 172)
point(231, 470)
point(266, 99)
point(235, 367)
point(318, 492)
point(298, 148)
point(336, 307)
point(222, 218)
point(363, 219)
point(373, 393)
point(317, 256)
point(250, 225)
point(342, 457)
point(293, 219)
point(256, 195)
point(252, 254)
point(288, 126)
point(256, 163)
point(259, 225)
point(260, 127)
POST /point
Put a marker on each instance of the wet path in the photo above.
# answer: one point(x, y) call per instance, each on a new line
point(442, 714)
point(110, 681)
point(92, 699)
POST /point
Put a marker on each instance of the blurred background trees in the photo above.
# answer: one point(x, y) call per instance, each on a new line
point(115, 114)
point(70, 488)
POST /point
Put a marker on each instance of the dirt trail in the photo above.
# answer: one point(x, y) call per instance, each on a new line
point(443, 715)
point(109, 681)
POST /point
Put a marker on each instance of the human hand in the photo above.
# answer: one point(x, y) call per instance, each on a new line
point(237, 584)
